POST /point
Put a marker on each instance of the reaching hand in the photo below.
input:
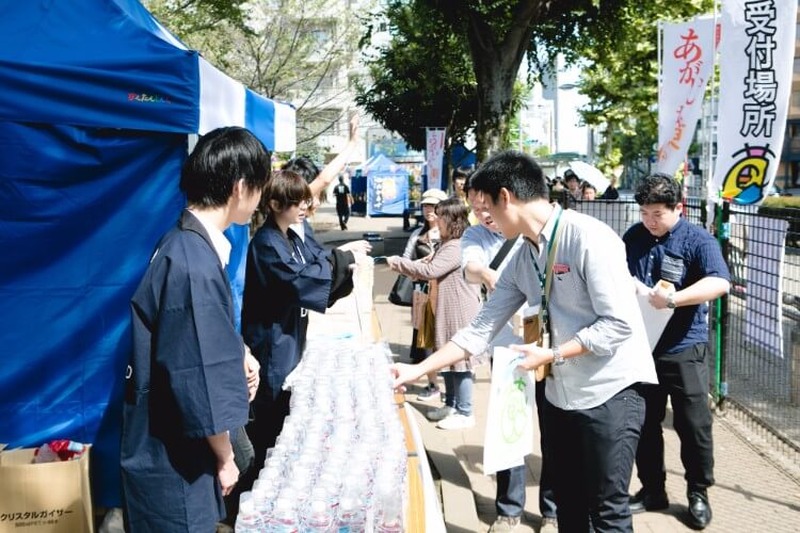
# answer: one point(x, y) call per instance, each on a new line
point(359, 258)
point(392, 261)
point(402, 374)
point(532, 356)
point(362, 247)
point(252, 370)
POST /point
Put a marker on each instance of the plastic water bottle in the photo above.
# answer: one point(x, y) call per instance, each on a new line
point(351, 517)
point(248, 520)
point(318, 515)
point(284, 517)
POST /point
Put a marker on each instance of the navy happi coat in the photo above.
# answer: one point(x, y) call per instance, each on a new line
point(185, 382)
point(285, 278)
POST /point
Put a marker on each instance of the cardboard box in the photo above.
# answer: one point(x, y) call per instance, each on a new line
point(45, 497)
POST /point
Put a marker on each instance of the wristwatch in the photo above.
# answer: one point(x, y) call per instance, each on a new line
point(671, 301)
point(558, 359)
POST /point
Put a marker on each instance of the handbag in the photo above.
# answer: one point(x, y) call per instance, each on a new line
point(426, 334)
point(402, 291)
point(419, 300)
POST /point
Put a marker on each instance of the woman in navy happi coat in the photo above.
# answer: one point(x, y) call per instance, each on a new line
point(286, 277)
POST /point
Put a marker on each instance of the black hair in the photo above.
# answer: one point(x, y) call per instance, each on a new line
point(569, 174)
point(220, 158)
point(659, 188)
point(519, 173)
point(304, 166)
point(468, 184)
point(461, 173)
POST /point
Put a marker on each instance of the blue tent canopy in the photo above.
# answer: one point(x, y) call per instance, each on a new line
point(387, 186)
point(97, 105)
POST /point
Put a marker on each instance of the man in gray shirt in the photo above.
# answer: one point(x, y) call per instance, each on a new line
point(593, 410)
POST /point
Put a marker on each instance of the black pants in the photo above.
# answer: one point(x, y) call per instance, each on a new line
point(547, 500)
point(344, 216)
point(263, 431)
point(243, 456)
point(592, 456)
point(684, 378)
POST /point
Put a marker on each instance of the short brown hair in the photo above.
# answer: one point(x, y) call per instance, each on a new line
point(455, 216)
point(287, 188)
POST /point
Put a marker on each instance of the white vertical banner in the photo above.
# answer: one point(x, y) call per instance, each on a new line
point(687, 64)
point(763, 316)
point(756, 59)
point(434, 156)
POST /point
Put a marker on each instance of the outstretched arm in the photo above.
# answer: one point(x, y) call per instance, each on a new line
point(332, 169)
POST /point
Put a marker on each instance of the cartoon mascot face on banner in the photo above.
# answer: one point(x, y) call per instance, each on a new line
point(744, 182)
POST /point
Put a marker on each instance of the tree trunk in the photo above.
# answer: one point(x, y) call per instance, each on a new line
point(495, 92)
point(496, 60)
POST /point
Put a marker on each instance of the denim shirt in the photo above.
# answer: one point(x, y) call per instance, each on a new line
point(592, 300)
point(683, 256)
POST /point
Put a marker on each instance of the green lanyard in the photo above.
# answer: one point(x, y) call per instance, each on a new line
point(546, 278)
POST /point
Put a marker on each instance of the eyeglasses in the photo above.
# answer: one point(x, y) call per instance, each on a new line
point(302, 203)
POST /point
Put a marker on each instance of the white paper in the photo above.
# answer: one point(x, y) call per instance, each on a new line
point(509, 424)
point(655, 320)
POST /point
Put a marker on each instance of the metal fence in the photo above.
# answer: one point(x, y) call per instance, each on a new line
point(756, 363)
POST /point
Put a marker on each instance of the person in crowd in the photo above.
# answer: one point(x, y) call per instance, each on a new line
point(683, 264)
point(557, 185)
point(593, 412)
point(460, 176)
point(187, 387)
point(286, 277)
point(422, 243)
point(557, 190)
point(611, 192)
point(484, 255)
point(588, 191)
point(343, 202)
point(455, 303)
point(573, 184)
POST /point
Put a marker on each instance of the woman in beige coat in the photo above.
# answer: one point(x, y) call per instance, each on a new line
point(454, 302)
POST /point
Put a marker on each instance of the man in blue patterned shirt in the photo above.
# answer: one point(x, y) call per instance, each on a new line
point(665, 247)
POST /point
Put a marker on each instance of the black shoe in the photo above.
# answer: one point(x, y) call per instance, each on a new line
point(699, 509)
point(648, 501)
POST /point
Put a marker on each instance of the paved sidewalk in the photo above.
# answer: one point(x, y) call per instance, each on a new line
point(752, 493)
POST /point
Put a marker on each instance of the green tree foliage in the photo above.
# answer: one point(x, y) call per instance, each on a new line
point(500, 33)
point(289, 50)
point(422, 78)
point(187, 18)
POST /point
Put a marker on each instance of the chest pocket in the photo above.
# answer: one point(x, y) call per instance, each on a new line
point(672, 269)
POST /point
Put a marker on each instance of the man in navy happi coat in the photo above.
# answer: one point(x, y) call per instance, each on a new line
point(187, 389)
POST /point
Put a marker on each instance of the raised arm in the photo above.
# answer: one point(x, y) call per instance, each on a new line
point(332, 169)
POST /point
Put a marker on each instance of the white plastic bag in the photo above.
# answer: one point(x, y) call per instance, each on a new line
point(509, 424)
